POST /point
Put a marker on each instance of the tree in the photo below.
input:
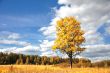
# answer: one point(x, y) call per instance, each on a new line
point(31, 59)
point(52, 60)
point(21, 61)
point(69, 37)
point(27, 60)
point(37, 60)
point(21, 58)
point(44, 60)
point(17, 62)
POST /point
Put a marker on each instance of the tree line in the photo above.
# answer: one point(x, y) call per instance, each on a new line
point(21, 59)
point(13, 58)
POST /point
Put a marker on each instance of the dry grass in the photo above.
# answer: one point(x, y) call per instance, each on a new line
point(48, 69)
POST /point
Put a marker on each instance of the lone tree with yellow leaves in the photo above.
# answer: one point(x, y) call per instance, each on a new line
point(69, 37)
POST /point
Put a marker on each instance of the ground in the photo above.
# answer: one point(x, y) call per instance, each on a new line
point(48, 69)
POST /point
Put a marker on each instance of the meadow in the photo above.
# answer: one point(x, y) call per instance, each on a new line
point(48, 69)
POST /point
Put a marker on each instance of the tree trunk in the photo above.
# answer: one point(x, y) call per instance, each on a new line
point(71, 60)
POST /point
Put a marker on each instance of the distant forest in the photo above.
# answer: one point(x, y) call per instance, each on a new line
point(21, 59)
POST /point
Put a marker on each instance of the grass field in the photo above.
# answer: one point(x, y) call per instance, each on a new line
point(48, 69)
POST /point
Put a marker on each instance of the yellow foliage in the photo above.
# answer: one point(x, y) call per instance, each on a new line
point(69, 34)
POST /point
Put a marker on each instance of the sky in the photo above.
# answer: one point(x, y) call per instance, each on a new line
point(28, 26)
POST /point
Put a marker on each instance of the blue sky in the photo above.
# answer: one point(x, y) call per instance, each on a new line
point(25, 17)
point(28, 26)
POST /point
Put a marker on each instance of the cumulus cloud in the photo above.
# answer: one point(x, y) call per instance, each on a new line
point(48, 30)
point(46, 45)
point(45, 48)
point(97, 52)
point(101, 48)
point(14, 42)
point(93, 37)
point(30, 49)
point(14, 36)
point(48, 53)
point(9, 35)
point(91, 13)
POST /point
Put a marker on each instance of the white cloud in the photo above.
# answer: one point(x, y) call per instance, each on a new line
point(93, 37)
point(108, 21)
point(46, 45)
point(14, 36)
point(9, 35)
point(48, 53)
point(30, 49)
point(98, 48)
point(45, 48)
point(51, 29)
point(42, 28)
point(19, 43)
point(27, 49)
point(7, 49)
point(79, 2)
point(97, 52)
point(48, 30)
